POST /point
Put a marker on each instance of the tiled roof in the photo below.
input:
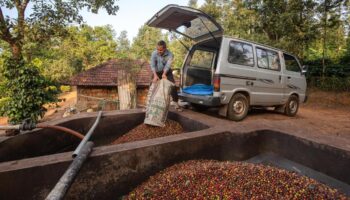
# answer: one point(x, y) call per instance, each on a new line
point(106, 74)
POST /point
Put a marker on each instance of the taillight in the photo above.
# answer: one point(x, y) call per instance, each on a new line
point(216, 83)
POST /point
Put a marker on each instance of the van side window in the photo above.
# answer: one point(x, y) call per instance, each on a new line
point(202, 59)
point(241, 53)
point(268, 59)
point(291, 63)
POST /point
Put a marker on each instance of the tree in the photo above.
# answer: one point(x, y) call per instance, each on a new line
point(82, 47)
point(193, 3)
point(176, 46)
point(145, 42)
point(123, 43)
point(329, 18)
point(48, 19)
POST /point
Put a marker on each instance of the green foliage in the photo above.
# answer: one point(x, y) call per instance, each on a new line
point(65, 88)
point(3, 102)
point(48, 19)
point(28, 91)
point(82, 48)
point(346, 58)
point(123, 46)
point(316, 31)
point(146, 41)
point(193, 3)
point(179, 52)
point(330, 83)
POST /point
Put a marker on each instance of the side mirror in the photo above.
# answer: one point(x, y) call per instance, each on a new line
point(304, 69)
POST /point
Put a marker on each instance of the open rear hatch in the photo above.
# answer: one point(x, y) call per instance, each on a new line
point(189, 22)
point(199, 27)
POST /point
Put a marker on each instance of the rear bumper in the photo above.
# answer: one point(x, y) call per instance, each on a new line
point(201, 100)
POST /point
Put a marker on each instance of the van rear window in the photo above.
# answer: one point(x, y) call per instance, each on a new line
point(202, 59)
point(241, 53)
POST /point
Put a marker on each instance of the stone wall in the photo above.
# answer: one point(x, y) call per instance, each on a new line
point(93, 97)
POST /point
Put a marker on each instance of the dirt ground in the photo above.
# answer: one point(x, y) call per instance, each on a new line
point(326, 112)
point(324, 120)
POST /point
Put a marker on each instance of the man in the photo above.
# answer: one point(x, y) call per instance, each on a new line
point(161, 61)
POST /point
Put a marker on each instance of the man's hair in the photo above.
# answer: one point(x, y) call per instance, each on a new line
point(161, 43)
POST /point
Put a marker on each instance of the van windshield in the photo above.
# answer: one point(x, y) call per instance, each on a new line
point(202, 59)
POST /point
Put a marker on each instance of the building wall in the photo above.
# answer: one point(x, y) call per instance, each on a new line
point(93, 97)
point(142, 96)
point(97, 98)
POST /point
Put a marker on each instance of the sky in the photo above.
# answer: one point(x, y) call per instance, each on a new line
point(131, 15)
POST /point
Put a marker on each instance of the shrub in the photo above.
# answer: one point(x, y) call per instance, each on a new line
point(3, 102)
point(28, 91)
point(65, 88)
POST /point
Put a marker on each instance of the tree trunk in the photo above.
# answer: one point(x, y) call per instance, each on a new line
point(324, 40)
point(126, 89)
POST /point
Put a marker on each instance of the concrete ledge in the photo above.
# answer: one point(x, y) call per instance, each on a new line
point(112, 171)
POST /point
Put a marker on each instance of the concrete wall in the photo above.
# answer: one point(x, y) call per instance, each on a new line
point(112, 171)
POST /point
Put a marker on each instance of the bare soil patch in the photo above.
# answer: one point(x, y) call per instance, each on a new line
point(56, 112)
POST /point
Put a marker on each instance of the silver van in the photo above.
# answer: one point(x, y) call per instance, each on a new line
point(242, 73)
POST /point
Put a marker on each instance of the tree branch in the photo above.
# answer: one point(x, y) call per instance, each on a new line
point(17, 3)
point(21, 7)
point(4, 29)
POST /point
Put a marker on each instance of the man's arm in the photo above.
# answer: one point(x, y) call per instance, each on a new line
point(153, 66)
point(168, 64)
point(153, 62)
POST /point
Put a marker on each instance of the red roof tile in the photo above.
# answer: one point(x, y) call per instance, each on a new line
point(106, 74)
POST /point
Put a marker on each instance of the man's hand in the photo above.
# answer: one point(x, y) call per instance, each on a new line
point(164, 76)
point(155, 79)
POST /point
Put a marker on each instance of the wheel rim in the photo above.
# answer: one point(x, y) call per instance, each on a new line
point(238, 107)
point(293, 106)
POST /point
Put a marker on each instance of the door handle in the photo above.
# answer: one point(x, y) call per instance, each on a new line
point(289, 77)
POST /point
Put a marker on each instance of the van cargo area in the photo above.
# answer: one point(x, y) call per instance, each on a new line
point(199, 69)
point(200, 65)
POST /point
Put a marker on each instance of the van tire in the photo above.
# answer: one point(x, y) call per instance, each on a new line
point(238, 107)
point(292, 106)
point(199, 107)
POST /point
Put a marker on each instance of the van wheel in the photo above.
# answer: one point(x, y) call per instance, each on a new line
point(292, 106)
point(199, 107)
point(238, 107)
